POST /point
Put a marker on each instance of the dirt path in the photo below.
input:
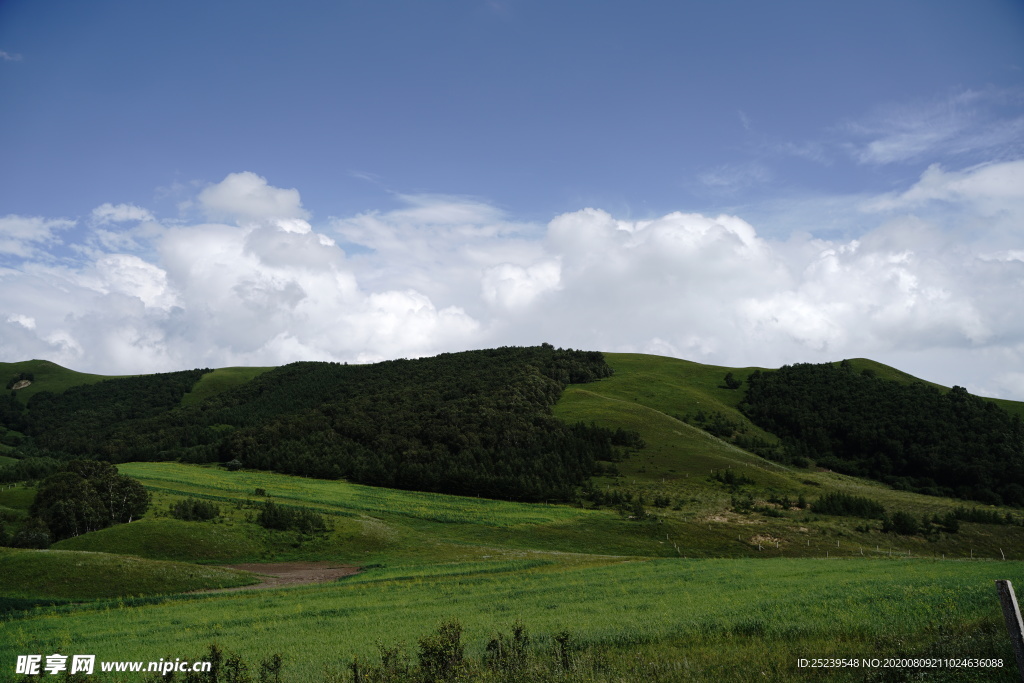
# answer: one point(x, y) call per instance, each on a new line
point(282, 574)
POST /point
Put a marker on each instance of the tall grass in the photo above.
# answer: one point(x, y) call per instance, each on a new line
point(783, 608)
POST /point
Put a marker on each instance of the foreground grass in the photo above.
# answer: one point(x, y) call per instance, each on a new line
point(692, 618)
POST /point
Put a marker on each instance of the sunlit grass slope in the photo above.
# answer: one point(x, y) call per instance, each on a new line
point(370, 525)
point(165, 538)
point(48, 377)
point(220, 380)
point(651, 394)
point(647, 393)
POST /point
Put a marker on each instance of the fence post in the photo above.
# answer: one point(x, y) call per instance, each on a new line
point(1011, 613)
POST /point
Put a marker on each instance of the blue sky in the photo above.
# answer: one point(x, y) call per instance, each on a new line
point(742, 183)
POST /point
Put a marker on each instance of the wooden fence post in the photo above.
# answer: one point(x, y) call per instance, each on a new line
point(1011, 613)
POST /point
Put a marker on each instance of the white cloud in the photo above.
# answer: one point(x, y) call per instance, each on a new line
point(734, 177)
point(515, 287)
point(119, 213)
point(963, 123)
point(999, 182)
point(24, 235)
point(247, 197)
point(25, 321)
point(9, 57)
point(936, 278)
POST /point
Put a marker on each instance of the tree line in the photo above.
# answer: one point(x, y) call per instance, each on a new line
point(911, 436)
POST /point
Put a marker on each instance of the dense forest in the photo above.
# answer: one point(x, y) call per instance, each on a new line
point(472, 423)
point(911, 436)
point(75, 419)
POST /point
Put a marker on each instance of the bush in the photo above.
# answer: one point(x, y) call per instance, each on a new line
point(34, 534)
point(305, 521)
point(845, 505)
point(193, 510)
point(731, 479)
point(508, 655)
point(441, 653)
point(902, 523)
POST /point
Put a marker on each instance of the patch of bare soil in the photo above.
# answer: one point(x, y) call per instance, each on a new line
point(21, 384)
point(283, 574)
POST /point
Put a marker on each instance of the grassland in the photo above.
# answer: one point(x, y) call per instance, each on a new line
point(48, 377)
point(50, 574)
point(696, 591)
point(220, 380)
point(490, 564)
point(705, 618)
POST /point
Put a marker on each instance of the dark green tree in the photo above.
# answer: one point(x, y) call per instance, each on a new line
point(87, 495)
point(69, 505)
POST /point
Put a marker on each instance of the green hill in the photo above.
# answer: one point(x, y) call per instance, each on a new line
point(48, 376)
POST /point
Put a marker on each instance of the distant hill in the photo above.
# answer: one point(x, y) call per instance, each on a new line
point(907, 434)
point(473, 423)
point(47, 376)
point(480, 422)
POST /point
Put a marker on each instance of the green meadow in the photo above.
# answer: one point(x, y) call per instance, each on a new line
point(699, 589)
point(218, 381)
point(48, 376)
point(702, 616)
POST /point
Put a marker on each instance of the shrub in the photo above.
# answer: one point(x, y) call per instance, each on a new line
point(305, 521)
point(508, 655)
point(34, 534)
point(902, 523)
point(441, 653)
point(731, 479)
point(193, 510)
point(845, 505)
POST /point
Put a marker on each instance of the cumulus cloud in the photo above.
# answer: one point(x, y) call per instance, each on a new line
point(247, 197)
point(261, 284)
point(516, 287)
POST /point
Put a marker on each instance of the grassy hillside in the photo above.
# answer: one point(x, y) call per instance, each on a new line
point(374, 525)
point(85, 575)
point(219, 381)
point(48, 377)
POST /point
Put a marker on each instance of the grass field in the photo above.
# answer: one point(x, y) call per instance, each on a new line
point(697, 616)
point(81, 575)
